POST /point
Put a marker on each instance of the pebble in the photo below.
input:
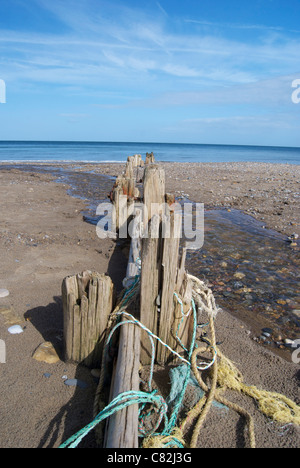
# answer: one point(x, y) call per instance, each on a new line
point(266, 335)
point(267, 330)
point(281, 302)
point(75, 383)
point(237, 285)
point(96, 373)
point(4, 293)
point(15, 330)
point(288, 343)
point(46, 353)
point(239, 276)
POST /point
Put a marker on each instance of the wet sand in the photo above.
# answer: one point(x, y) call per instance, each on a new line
point(43, 239)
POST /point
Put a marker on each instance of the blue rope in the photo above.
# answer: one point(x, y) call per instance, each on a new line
point(120, 402)
point(130, 398)
point(178, 404)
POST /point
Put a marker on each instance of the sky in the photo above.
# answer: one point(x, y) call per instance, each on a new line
point(193, 71)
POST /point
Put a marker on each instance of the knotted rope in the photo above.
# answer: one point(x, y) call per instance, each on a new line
point(224, 376)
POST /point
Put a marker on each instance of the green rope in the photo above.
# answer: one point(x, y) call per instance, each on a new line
point(119, 403)
point(173, 418)
point(130, 398)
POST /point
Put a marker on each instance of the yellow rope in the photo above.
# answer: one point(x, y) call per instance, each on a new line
point(272, 404)
point(213, 394)
point(225, 375)
point(155, 442)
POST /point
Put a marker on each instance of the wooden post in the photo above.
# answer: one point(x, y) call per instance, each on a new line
point(87, 303)
point(170, 263)
point(150, 158)
point(154, 191)
point(134, 262)
point(122, 196)
point(69, 297)
point(122, 427)
point(150, 287)
point(154, 196)
point(163, 274)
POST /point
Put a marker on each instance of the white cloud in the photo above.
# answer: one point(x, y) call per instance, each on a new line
point(109, 46)
point(242, 26)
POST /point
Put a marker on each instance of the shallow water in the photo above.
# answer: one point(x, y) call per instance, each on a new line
point(253, 272)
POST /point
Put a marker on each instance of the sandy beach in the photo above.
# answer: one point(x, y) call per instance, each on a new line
point(43, 238)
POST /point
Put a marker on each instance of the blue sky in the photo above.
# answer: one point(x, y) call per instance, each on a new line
point(205, 71)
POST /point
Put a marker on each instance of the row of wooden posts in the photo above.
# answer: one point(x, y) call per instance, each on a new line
point(89, 297)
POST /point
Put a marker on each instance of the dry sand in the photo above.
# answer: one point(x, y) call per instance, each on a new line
point(43, 239)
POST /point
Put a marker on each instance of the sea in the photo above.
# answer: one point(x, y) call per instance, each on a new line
point(97, 152)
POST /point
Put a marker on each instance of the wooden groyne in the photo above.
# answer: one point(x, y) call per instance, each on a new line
point(156, 272)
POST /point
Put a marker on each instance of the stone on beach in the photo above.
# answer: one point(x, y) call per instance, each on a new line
point(75, 383)
point(46, 353)
point(4, 293)
point(239, 275)
point(15, 330)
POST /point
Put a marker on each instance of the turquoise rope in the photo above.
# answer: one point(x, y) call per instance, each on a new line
point(120, 402)
point(134, 322)
point(178, 405)
point(130, 398)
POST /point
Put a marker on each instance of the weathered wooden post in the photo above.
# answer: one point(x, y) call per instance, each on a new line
point(170, 263)
point(88, 300)
point(162, 273)
point(122, 427)
point(150, 159)
point(154, 197)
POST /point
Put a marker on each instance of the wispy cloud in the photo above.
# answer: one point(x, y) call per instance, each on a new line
point(162, 9)
point(104, 46)
point(242, 26)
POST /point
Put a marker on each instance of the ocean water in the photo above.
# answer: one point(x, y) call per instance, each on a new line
point(118, 152)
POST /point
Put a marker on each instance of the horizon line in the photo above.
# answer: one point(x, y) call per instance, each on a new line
point(149, 143)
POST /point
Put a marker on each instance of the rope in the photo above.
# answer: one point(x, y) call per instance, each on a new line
point(212, 395)
point(225, 375)
point(119, 403)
